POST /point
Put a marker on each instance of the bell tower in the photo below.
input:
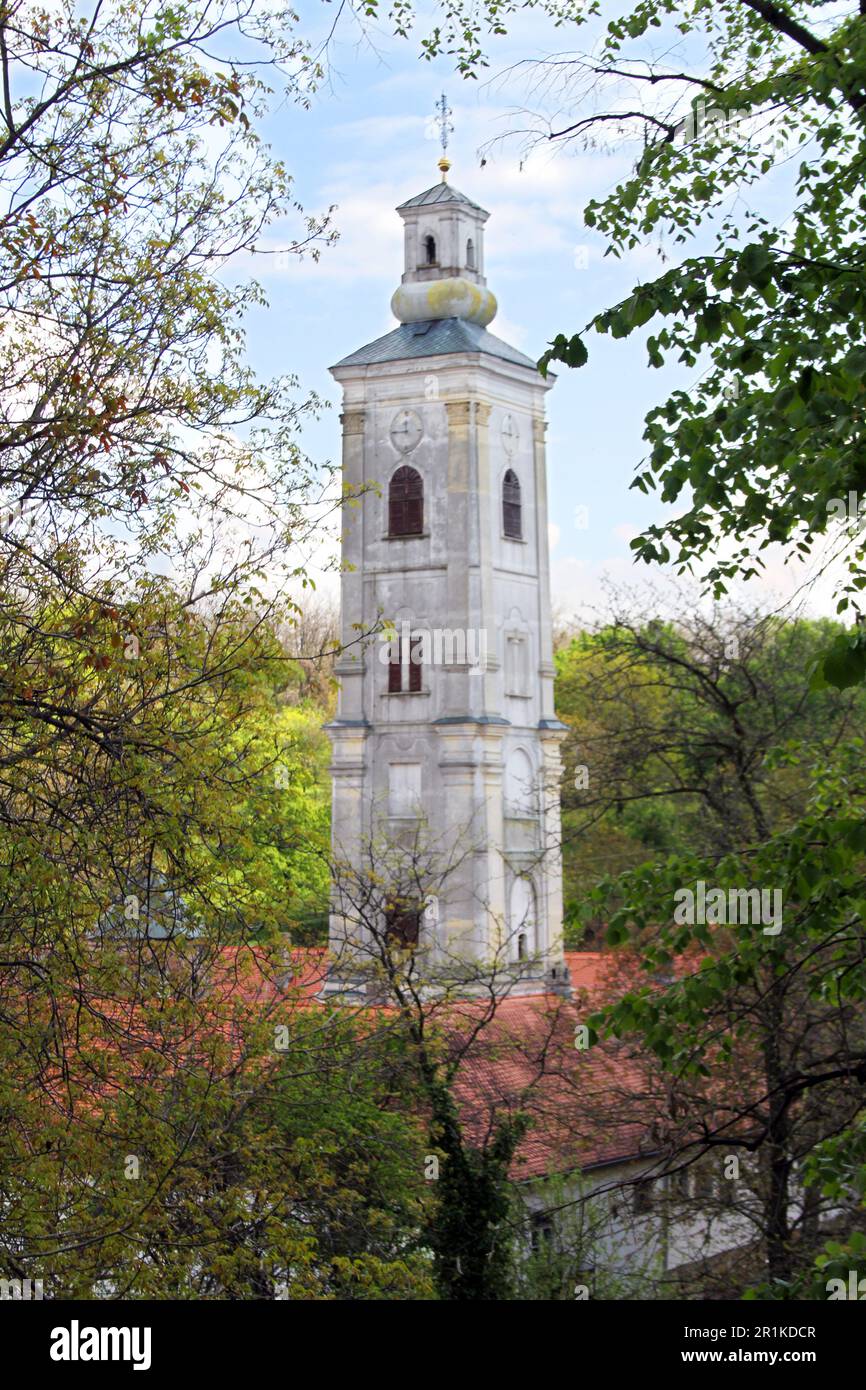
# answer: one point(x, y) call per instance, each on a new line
point(445, 743)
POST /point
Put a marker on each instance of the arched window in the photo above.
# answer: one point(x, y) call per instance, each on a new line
point(402, 921)
point(512, 510)
point(470, 254)
point(406, 503)
point(430, 250)
point(521, 801)
point(523, 919)
point(405, 665)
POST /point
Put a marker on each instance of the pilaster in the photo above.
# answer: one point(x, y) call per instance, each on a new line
point(350, 665)
point(546, 669)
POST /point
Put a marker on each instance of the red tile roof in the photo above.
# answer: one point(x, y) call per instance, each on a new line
point(586, 1107)
point(526, 1060)
point(523, 1059)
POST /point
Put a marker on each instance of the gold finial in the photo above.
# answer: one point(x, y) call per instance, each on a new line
point(443, 119)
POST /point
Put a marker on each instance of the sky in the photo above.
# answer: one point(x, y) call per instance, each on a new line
point(368, 142)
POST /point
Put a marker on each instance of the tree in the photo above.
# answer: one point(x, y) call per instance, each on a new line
point(679, 729)
point(130, 177)
point(711, 719)
point(159, 801)
point(218, 1138)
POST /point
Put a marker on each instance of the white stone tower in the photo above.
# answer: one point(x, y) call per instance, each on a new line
point(445, 737)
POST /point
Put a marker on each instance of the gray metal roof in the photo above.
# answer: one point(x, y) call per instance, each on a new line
point(439, 193)
point(435, 338)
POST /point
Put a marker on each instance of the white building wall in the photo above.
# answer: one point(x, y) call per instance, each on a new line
point(640, 1250)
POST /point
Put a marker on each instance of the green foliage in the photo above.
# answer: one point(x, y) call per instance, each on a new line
point(470, 1233)
point(768, 443)
point(152, 489)
point(205, 1164)
point(680, 727)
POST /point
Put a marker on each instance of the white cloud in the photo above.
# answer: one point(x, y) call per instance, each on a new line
point(809, 587)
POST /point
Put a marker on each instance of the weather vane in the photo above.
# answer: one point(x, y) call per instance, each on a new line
point(443, 120)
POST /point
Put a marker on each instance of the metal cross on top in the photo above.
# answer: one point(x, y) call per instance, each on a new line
point(443, 120)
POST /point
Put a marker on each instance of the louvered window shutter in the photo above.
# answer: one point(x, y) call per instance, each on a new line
point(512, 518)
point(406, 503)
